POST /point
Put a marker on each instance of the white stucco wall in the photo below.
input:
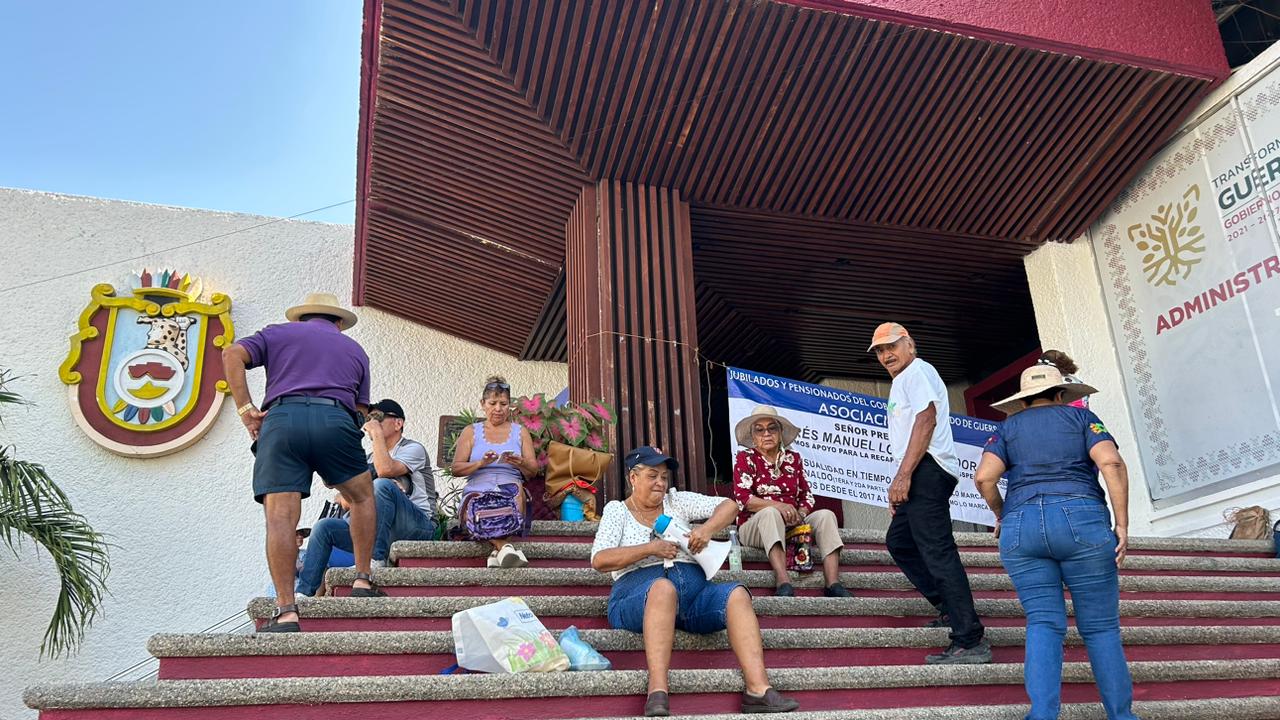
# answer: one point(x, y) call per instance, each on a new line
point(187, 532)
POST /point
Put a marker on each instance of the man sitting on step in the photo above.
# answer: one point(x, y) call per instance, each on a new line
point(404, 491)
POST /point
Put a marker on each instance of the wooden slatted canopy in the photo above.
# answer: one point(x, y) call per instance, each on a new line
point(840, 170)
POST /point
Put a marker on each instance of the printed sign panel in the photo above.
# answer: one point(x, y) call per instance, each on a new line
point(1191, 270)
point(844, 440)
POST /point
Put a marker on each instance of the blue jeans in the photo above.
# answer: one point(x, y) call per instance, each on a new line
point(703, 606)
point(1044, 542)
point(398, 519)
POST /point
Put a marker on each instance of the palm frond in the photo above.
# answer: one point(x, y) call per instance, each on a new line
point(7, 396)
point(33, 508)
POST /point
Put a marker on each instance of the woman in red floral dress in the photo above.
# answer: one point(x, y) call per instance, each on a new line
point(773, 494)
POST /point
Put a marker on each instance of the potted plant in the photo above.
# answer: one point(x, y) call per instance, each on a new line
point(571, 442)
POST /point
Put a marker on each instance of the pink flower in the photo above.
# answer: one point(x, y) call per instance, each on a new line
point(533, 423)
point(532, 405)
point(526, 651)
point(595, 441)
point(571, 428)
point(543, 460)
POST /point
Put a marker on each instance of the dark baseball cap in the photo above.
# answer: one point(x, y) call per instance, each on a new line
point(389, 407)
point(650, 456)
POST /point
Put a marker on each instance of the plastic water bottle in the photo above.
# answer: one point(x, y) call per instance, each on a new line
point(735, 551)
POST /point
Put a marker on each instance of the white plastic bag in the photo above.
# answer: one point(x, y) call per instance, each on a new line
point(505, 637)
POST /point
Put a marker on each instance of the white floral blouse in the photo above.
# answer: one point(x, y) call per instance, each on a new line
point(619, 528)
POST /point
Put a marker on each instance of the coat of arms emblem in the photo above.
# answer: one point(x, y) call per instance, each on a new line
point(145, 370)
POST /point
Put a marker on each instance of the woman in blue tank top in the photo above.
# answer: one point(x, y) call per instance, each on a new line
point(1055, 528)
point(496, 455)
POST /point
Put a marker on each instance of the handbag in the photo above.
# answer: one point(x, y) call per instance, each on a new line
point(575, 470)
point(505, 637)
point(494, 514)
point(799, 542)
point(1251, 523)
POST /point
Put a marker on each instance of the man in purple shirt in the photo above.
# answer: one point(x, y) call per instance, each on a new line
point(317, 391)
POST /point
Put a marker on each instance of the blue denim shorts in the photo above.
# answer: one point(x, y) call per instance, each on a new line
point(703, 605)
point(300, 439)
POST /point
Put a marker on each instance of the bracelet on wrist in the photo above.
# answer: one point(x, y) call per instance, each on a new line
point(244, 408)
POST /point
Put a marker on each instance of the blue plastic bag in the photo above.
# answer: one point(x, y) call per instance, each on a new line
point(581, 655)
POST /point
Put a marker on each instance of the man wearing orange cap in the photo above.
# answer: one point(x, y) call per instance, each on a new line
point(920, 538)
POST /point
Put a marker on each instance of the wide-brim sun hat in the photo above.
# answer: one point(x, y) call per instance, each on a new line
point(322, 304)
point(761, 412)
point(1041, 378)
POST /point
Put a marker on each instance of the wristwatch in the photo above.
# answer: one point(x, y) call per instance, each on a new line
point(244, 408)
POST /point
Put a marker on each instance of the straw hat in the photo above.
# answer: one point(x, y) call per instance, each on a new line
point(1039, 378)
point(743, 429)
point(322, 304)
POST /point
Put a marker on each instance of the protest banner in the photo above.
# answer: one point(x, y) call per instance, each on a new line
point(844, 440)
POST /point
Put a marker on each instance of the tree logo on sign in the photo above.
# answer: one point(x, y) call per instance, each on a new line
point(1172, 242)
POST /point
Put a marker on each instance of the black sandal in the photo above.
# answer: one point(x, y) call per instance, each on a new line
point(371, 591)
point(275, 626)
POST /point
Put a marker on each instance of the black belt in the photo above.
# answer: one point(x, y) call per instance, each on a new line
point(304, 400)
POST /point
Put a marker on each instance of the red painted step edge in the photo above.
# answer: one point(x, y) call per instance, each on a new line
point(963, 548)
point(603, 590)
point(360, 624)
point(710, 703)
point(477, 562)
point(258, 666)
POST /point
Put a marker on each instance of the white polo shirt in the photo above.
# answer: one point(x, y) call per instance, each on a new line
point(912, 391)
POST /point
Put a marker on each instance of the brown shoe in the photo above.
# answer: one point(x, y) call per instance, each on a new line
point(657, 704)
point(770, 702)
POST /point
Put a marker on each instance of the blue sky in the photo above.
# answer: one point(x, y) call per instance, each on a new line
point(234, 105)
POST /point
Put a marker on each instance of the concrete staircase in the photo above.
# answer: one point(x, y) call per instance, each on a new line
point(1201, 623)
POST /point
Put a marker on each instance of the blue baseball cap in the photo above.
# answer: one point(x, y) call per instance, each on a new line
point(650, 456)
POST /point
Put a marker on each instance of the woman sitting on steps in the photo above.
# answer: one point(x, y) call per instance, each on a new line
point(496, 456)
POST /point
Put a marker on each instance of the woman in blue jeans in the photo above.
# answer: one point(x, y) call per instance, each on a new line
point(658, 586)
point(1055, 528)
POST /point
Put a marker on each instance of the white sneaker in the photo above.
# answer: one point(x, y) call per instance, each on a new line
point(510, 557)
point(493, 560)
point(377, 564)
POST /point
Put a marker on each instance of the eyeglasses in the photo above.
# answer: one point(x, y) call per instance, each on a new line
point(497, 386)
point(774, 429)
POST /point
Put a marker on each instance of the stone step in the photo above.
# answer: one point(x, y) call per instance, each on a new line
point(588, 612)
point(559, 581)
point(214, 656)
point(1246, 708)
point(415, 553)
point(616, 692)
point(580, 531)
